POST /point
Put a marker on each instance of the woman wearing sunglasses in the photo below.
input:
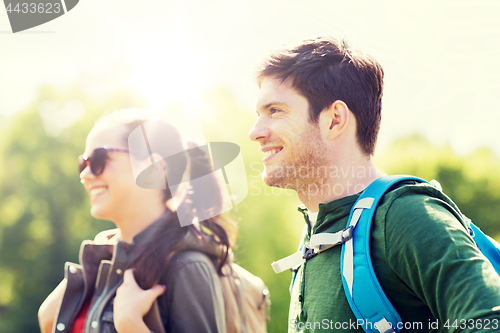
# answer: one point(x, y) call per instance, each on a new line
point(149, 256)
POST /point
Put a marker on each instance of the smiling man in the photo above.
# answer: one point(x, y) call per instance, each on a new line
point(302, 142)
point(318, 117)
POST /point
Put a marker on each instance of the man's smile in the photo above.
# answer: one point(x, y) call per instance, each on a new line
point(270, 152)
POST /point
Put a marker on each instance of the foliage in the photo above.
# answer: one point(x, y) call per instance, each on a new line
point(44, 212)
point(472, 182)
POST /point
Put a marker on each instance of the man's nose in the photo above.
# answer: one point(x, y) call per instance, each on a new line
point(260, 130)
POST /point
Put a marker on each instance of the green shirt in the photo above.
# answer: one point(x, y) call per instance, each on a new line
point(427, 265)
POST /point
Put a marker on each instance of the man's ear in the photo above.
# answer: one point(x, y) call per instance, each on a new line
point(335, 119)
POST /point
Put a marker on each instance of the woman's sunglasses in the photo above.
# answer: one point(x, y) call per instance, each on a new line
point(97, 160)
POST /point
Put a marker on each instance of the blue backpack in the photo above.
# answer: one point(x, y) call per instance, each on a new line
point(366, 298)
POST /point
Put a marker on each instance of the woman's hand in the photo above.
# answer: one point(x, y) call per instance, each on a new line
point(132, 303)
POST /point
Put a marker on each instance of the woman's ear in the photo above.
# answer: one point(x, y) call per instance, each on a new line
point(335, 119)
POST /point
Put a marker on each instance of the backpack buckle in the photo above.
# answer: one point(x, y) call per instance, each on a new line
point(309, 253)
point(347, 234)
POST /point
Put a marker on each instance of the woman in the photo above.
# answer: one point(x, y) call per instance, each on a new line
point(149, 249)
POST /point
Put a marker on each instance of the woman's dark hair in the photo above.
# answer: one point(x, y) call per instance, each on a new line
point(151, 259)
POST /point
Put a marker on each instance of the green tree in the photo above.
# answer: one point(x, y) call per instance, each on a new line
point(44, 213)
point(472, 182)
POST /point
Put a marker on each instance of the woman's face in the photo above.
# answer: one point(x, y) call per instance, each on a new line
point(114, 194)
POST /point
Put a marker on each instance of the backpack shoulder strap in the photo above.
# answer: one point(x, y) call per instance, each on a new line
point(366, 298)
point(487, 245)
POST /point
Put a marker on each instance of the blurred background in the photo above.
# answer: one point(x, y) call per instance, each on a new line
point(440, 114)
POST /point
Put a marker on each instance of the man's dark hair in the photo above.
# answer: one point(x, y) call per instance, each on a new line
point(325, 70)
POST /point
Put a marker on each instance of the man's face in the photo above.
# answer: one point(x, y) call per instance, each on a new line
point(293, 146)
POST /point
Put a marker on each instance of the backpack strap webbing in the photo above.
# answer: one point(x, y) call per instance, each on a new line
point(363, 291)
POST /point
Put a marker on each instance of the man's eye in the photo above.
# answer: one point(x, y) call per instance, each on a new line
point(274, 110)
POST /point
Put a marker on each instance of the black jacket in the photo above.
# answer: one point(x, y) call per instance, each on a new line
point(192, 302)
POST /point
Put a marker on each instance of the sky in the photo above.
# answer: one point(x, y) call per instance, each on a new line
point(440, 58)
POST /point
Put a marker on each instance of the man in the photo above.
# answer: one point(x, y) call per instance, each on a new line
point(318, 116)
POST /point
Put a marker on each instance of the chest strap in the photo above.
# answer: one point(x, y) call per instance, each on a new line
point(322, 242)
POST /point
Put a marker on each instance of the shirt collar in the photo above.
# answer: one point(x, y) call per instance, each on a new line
point(147, 235)
point(332, 210)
